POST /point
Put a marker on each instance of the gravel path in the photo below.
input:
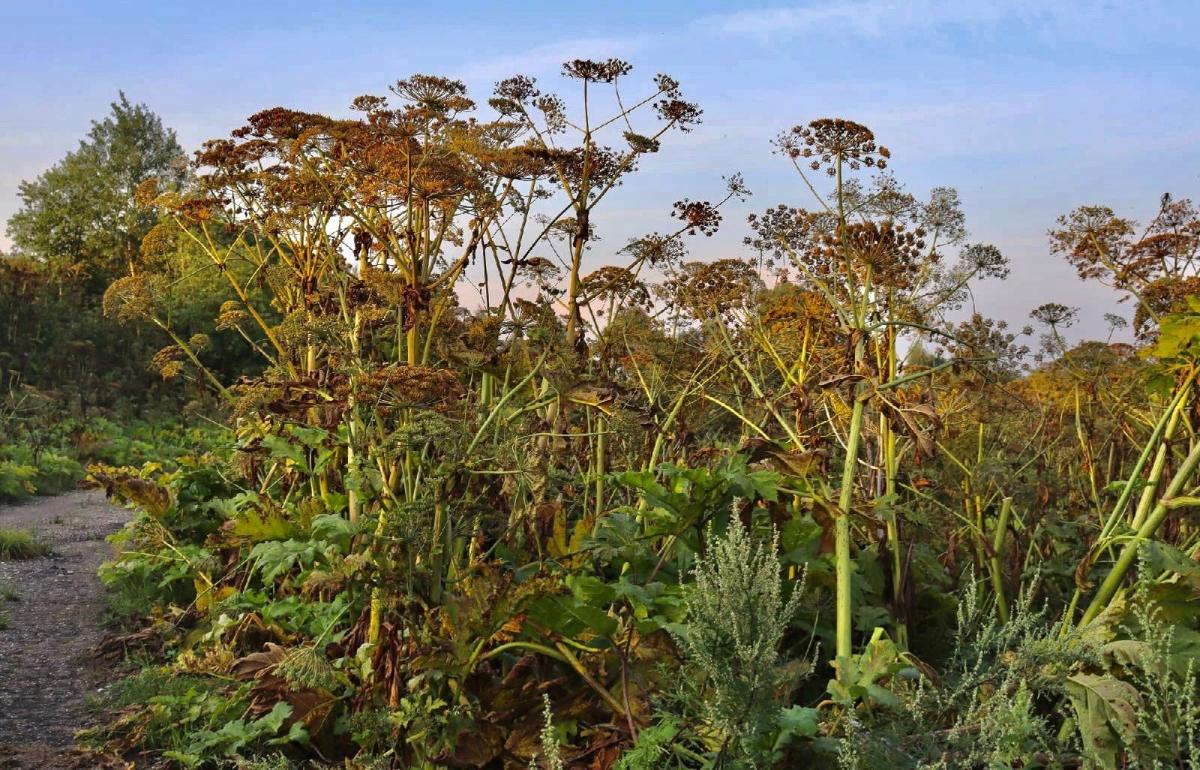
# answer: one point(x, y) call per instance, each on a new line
point(45, 669)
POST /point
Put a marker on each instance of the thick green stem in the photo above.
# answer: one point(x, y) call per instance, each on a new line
point(354, 431)
point(1156, 474)
point(437, 556)
point(1165, 422)
point(601, 460)
point(994, 562)
point(890, 466)
point(1149, 527)
point(845, 608)
point(1160, 428)
point(376, 618)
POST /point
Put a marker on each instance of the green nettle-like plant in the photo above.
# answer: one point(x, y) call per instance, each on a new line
point(982, 711)
point(550, 758)
point(1166, 679)
point(737, 617)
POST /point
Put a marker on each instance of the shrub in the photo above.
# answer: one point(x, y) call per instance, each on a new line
point(16, 481)
point(7, 594)
point(197, 721)
point(737, 617)
point(57, 473)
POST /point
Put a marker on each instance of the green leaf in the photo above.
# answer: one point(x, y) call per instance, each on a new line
point(297, 733)
point(276, 557)
point(273, 720)
point(880, 660)
point(1176, 334)
point(313, 438)
point(1168, 558)
point(567, 616)
point(1185, 650)
point(1106, 709)
point(1160, 383)
point(256, 526)
point(335, 529)
point(590, 590)
point(1175, 601)
point(796, 722)
point(1128, 652)
point(282, 449)
point(883, 696)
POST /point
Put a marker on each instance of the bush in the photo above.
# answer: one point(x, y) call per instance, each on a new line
point(737, 616)
point(7, 594)
point(57, 473)
point(16, 481)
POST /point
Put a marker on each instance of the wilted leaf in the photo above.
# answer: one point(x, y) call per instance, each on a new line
point(1106, 709)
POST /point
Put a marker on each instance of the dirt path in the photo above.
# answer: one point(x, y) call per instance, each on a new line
point(46, 674)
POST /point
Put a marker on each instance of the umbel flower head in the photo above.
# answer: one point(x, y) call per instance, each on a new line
point(706, 290)
point(828, 142)
point(134, 297)
point(596, 71)
point(891, 250)
point(697, 216)
point(1054, 314)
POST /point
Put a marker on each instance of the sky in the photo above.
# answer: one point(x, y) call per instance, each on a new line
point(1028, 108)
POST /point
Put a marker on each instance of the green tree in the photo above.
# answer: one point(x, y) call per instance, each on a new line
point(81, 213)
point(78, 228)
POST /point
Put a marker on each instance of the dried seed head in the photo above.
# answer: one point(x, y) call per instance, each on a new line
point(828, 142)
point(679, 113)
point(512, 92)
point(434, 94)
point(231, 315)
point(1054, 314)
point(698, 216)
point(657, 250)
point(596, 71)
point(167, 362)
point(134, 297)
point(641, 144)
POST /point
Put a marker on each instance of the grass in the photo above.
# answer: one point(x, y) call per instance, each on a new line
point(17, 544)
point(7, 594)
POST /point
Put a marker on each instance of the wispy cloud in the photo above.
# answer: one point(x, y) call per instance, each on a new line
point(880, 18)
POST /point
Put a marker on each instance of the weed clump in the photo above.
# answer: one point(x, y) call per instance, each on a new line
point(18, 545)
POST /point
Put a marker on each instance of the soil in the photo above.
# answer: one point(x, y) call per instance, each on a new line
point(47, 672)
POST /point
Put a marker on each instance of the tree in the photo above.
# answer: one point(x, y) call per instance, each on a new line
point(81, 213)
point(80, 226)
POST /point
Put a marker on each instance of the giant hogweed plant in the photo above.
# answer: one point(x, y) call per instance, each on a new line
point(441, 502)
point(342, 243)
point(872, 256)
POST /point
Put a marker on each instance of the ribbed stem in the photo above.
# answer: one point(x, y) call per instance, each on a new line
point(994, 562)
point(1149, 527)
point(845, 607)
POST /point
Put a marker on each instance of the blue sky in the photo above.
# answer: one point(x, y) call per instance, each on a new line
point(1029, 108)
